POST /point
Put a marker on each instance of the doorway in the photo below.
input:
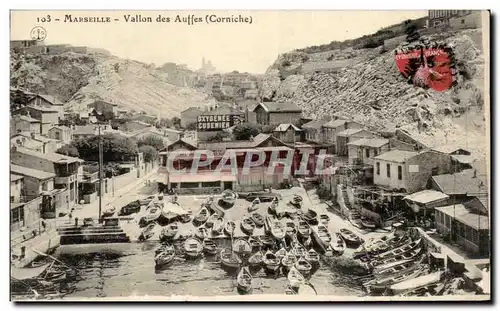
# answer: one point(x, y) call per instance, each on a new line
point(228, 185)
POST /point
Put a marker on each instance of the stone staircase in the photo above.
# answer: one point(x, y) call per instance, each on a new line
point(92, 234)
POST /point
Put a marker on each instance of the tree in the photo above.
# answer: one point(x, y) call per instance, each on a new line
point(245, 130)
point(151, 140)
point(115, 148)
point(191, 126)
point(68, 150)
point(72, 119)
point(149, 152)
point(176, 121)
point(18, 99)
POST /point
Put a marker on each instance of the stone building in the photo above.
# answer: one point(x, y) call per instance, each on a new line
point(25, 123)
point(270, 113)
point(48, 117)
point(49, 102)
point(348, 136)
point(363, 150)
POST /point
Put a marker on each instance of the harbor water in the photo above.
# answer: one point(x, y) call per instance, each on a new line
point(131, 272)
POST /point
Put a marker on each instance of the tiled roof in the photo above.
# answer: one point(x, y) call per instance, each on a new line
point(60, 127)
point(51, 99)
point(284, 127)
point(426, 196)
point(460, 183)
point(349, 132)
point(50, 156)
point(448, 148)
point(335, 123)
point(15, 177)
point(463, 215)
point(257, 140)
point(314, 124)
point(279, 107)
point(29, 119)
point(26, 171)
point(465, 159)
point(41, 108)
point(398, 156)
point(370, 142)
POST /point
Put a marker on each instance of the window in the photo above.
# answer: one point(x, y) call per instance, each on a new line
point(378, 168)
point(44, 186)
point(375, 152)
point(435, 171)
point(367, 152)
point(58, 135)
point(463, 21)
point(12, 199)
point(17, 215)
point(400, 172)
point(388, 171)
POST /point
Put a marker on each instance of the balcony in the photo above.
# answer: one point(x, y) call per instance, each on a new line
point(65, 180)
point(90, 177)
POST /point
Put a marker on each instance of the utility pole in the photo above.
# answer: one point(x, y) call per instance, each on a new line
point(100, 172)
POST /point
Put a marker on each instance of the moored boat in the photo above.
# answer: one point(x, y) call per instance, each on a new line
point(151, 214)
point(306, 289)
point(381, 247)
point(255, 243)
point(303, 266)
point(380, 285)
point(376, 263)
point(209, 247)
point(324, 219)
point(229, 228)
point(201, 233)
point(304, 229)
point(258, 219)
point(338, 244)
point(289, 290)
point(368, 224)
point(109, 212)
point(287, 262)
point(229, 260)
point(280, 253)
point(242, 247)
point(311, 217)
point(185, 218)
point(427, 290)
point(165, 257)
point(169, 232)
point(295, 278)
point(290, 229)
point(398, 267)
point(229, 197)
point(322, 237)
point(193, 248)
point(417, 282)
point(399, 250)
point(296, 200)
point(299, 250)
point(247, 225)
point(218, 225)
point(350, 238)
point(276, 228)
point(201, 217)
point(267, 241)
point(244, 280)
point(271, 263)
point(147, 232)
point(253, 207)
point(210, 221)
point(313, 257)
point(255, 262)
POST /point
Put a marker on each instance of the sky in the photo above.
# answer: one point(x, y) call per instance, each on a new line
point(250, 47)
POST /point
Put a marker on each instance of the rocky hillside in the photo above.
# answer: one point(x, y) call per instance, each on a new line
point(366, 85)
point(78, 79)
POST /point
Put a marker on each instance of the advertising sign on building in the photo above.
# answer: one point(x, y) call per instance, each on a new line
point(207, 123)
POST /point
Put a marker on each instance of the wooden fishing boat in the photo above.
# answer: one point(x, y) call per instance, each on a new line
point(338, 244)
point(210, 221)
point(299, 250)
point(242, 247)
point(276, 228)
point(418, 282)
point(165, 257)
point(169, 232)
point(201, 233)
point(229, 260)
point(229, 197)
point(322, 237)
point(351, 239)
point(381, 284)
point(252, 207)
point(308, 243)
point(396, 268)
point(295, 278)
point(329, 252)
point(209, 247)
point(258, 219)
point(324, 219)
point(313, 257)
point(201, 217)
point(247, 225)
point(267, 241)
point(54, 275)
point(368, 224)
point(244, 280)
point(304, 229)
point(229, 228)
point(380, 269)
point(374, 242)
point(185, 218)
point(376, 263)
point(218, 225)
point(303, 266)
point(296, 200)
point(147, 232)
point(255, 243)
point(109, 212)
point(281, 253)
point(271, 263)
point(290, 229)
point(255, 262)
point(382, 247)
point(311, 217)
point(151, 214)
point(399, 250)
point(427, 290)
point(287, 262)
point(193, 248)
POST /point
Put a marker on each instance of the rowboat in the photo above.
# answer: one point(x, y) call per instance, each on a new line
point(291, 231)
point(210, 221)
point(299, 250)
point(271, 263)
point(252, 207)
point(427, 290)
point(287, 262)
point(387, 266)
point(255, 243)
point(201, 233)
point(151, 214)
point(244, 280)
point(289, 290)
point(165, 257)
point(313, 257)
point(351, 239)
point(338, 244)
point(209, 247)
point(399, 250)
point(304, 229)
point(382, 247)
point(193, 248)
point(218, 225)
point(405, 256)
point(255, 262)
point(311, 217)
point(109, 212)
point(308, 243)
point(186, 217)
point(372, 242)
point(229, 260)
point(295, 278)
point(258, 219)
point(229, 228)
point(367, 224)
point(303, 266)
point(229, 197)
point(324, 219)
point(281, 253)
point(396, 268)
point(322, 237)
point(271, 210)
point(201, 216)
point(247, 225)
point(242, 247)
point(296, 200)
point(420, 281)
point(329, 252)
point(267, 241)
point(381, 284)
point(276, 228)
point(147, 232)
point(169, 232)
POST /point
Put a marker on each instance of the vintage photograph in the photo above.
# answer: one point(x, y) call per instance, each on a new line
point(250, 155)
